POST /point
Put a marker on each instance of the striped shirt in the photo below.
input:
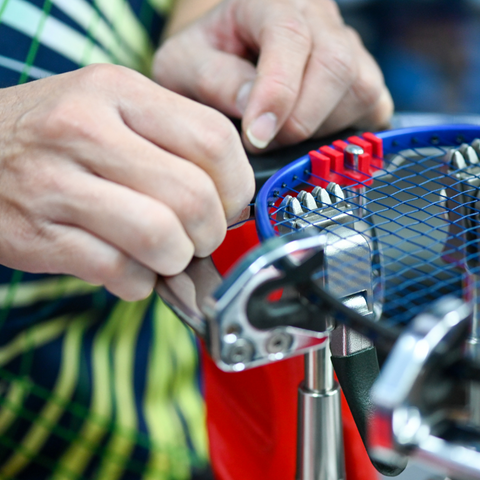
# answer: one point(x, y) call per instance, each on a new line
point(90, 386)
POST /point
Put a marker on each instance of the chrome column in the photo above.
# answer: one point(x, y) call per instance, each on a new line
point(320, 438)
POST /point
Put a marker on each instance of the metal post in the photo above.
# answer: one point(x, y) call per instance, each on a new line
point(320, 438)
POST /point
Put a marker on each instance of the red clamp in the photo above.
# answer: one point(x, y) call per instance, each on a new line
point(348, 163)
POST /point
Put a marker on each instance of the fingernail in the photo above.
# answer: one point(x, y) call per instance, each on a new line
point(239, 219)
point(262, 130)
point(243, 96)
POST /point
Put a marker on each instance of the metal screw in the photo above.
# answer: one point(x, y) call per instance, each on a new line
point(355, 151)
point(279, 342)
point(240, 351)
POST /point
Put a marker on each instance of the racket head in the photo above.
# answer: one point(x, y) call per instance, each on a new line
point(417, 211)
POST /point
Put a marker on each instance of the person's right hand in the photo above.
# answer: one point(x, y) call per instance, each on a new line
point(109, 177)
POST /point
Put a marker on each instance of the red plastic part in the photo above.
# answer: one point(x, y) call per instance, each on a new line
point(252, 415)
point(320, 167)
point(377, 149)
point(340, 164)
point(340, 145)
point(366, 145)
point(336, 159)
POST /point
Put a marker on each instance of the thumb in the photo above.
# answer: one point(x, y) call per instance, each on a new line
point(225, 82)
point(213, 77)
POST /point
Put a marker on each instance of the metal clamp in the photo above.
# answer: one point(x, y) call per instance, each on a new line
point(412, 415)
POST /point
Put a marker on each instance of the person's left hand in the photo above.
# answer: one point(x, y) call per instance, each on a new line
point(291, 69)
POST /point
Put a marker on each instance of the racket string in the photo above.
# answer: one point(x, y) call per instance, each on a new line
point(416, 207)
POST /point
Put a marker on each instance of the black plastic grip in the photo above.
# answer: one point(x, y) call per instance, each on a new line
point(356, 374)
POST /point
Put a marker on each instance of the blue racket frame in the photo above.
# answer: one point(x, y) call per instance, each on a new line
point(394, 141)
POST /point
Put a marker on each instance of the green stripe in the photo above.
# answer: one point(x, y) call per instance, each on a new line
point(14, 399)
point(60, 432)
point(35, 336)
point(162, 6)
point(189, 399)
point(65, 385)
point(3, 7)
point(163, 422)
point(10, 291)
point(121, 444)
point(56, 35)
point(32, 53)
point(41, 460)
point(83, 13)
point(23, 294)
point(96, 424)
point(120, 14)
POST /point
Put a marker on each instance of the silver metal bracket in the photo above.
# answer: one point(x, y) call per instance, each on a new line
point(411, 415)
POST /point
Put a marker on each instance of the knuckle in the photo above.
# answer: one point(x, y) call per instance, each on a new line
point(151, 236)
point(104, 74)
point(44, 189)
point(280, 89)
point(220, 137)
point(69, 120)
point(369, 86)
point(199, 198)
point(107, 270)
point(338, 59)
point(298, 129)
point(296, 31)
point(368, 89)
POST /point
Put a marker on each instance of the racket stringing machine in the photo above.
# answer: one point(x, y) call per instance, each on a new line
point(370, 251)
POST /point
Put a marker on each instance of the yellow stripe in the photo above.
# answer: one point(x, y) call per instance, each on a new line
point(121, 444)
point(33, 337)
point(12, 404)
point(189, 399)
point(162, 6)
point(28, 293)
point(121, 16)
point(169, 454)
point(95, 426)
point(83, 13)
point(36, 437)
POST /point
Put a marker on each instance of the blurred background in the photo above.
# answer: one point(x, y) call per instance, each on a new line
point(429, 50)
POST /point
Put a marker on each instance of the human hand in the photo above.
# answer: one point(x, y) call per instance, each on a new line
point(291, 69)
point(109, 177)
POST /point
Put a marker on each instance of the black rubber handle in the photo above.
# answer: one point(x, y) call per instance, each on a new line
point(356, 374)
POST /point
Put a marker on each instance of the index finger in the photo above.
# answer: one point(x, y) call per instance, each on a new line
point(190, 131)
point(285, 42)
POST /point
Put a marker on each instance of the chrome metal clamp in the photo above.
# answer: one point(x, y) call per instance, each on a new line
point(412, 414)
point(244, 327)
point(461, 198)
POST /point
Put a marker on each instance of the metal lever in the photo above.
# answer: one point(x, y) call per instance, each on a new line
point(223, 311)
point(462, 199)
point(411, 416)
